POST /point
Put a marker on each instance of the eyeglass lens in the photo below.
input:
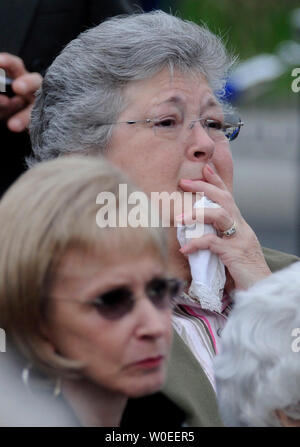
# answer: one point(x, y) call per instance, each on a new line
point(116, 303)
point(217, 130)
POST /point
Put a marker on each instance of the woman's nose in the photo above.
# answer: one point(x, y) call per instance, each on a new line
point(200, 145)
point(152, 322)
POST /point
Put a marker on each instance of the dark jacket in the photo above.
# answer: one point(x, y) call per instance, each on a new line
point(37, 31)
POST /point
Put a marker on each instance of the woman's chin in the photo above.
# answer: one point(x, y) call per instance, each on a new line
point(148, 385)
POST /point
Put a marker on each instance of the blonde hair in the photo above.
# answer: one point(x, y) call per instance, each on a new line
point(49, 210)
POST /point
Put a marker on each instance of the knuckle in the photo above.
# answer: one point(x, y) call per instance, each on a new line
point(19, 61)
point(15, 60)
point(33, 76)
point(227, 196)
point(5, 54)
point(211, 238)
point(222, 214)
point(38, 75)
point(194, 244)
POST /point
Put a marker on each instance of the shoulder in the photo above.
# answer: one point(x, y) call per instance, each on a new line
point(278, 260)
point(188, 387)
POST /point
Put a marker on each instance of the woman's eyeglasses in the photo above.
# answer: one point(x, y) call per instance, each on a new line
point(117, 302)
point(227, 127)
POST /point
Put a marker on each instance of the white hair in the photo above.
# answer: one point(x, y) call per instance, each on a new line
point(83, 88)
point(257, 371)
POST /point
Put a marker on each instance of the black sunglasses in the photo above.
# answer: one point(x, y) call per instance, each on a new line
point(116, 303)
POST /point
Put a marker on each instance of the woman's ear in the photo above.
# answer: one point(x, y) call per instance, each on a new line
point(286, 421)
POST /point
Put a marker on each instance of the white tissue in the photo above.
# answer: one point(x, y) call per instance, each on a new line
point(208, 272)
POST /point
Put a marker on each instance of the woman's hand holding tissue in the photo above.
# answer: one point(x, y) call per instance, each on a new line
point(240, 253)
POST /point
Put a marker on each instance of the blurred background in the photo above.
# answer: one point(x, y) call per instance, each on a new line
point(265, 34)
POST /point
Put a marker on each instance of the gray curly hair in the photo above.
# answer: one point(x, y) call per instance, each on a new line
point(82, 89)
point(258, 369)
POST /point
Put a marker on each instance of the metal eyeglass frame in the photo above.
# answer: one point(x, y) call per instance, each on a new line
point(225, 126)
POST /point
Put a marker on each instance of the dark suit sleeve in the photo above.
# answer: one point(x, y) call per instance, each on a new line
point(56, 22)
point(99, 10)
point(37, 31)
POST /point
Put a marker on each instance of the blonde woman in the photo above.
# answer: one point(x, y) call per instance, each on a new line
point(88, 308)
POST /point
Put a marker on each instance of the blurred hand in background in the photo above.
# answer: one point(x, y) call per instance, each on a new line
point(16, 110)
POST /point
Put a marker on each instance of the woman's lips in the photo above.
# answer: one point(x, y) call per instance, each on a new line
point(150, 362)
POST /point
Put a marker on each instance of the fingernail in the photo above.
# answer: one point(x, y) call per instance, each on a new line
point(210, 170)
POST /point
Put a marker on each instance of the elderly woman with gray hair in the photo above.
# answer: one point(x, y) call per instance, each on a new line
point(144, 90)
point(258, 369)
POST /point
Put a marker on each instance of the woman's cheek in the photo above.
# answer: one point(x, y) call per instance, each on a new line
point(223, 163)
